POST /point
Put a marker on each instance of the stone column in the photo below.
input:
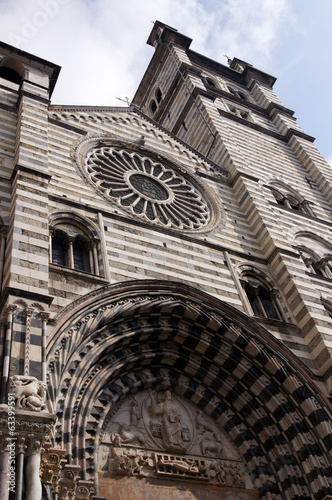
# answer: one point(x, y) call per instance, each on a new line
point(31, 429)
point(44, 316)
point(33, 485)
point(91, 263)
point(19, 468)
point(3, 235)
point(95, 258)
point(4, 467)
point(28, 315)
point(71, 254)
point(7, 351)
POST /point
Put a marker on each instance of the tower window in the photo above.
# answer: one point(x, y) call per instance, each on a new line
point(241, 113)
point(159, 95)
point(153, 107)
point(320, 267)
point(292, 201)
point(10, 75)
point(81, 255)
point(237, 93)
point(263, 300)
point(60, 248)
point(211, 82)
point(11, 70)
point(71, 247)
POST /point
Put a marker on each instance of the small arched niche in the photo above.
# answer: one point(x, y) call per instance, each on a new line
point(11, 70)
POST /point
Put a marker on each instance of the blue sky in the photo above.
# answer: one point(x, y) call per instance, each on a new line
point(101, 47)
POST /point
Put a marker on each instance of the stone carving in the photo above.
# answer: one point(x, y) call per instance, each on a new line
point(51, 464)
point(211, 448)
point(227, 474)
point(135, 413)
point(171, 429)
point(152, 434)
point(133, 462)
point(166, 465)
point(209, 438)
point(129, 462)
point(130, 435)
point(29, 392)
point(83, 490)
point(32, 445)
point(68, 482)
point(4, 442)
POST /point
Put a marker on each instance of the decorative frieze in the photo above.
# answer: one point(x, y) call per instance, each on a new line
point(128, 461)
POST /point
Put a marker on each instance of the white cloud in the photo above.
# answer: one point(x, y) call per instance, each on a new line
point(101, 44)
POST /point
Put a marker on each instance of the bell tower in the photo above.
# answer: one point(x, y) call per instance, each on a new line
point(281, 184)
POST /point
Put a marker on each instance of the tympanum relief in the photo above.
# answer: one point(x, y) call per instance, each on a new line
point(157, 434)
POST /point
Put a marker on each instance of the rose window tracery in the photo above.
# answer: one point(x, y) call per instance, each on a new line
point(147, 189)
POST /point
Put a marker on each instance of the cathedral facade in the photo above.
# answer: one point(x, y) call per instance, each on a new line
point(166, 288)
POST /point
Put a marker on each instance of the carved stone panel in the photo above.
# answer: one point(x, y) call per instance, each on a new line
point(157, 434)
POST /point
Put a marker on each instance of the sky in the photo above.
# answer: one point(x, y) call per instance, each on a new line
point(101, 46)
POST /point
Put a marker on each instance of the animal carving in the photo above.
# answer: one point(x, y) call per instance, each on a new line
point(211, 448)
point(29, 392)
point(203, 426)
point(129, 436)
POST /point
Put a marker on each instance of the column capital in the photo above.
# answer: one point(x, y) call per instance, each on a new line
point(44, 315)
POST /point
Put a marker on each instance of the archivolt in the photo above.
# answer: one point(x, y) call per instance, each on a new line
point(133, 336)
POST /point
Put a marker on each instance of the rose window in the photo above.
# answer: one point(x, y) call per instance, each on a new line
point(147, 189)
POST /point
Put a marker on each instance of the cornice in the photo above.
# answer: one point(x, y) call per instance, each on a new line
point(22, 168)
point(67, 126)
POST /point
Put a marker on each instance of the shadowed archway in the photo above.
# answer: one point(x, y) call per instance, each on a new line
point(129, 337)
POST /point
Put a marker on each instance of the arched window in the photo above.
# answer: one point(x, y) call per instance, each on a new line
point(237, 93)
point(317, 265)
point(81, 254)
point(327, 306)
point(288, 198)
point(241, 113)
point(262, 298)
point(10, 74)
point(11, 70)
point(241, 95)
point(315, 253)
point(74, 246)
point(159, 95)
point(153, 106)
point(210, 82)
point(60, 246)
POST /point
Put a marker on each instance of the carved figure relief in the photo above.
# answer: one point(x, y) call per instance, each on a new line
point(29, 392)
point(210, 441)
point(169, 421)
point(128, 434)
point(153, 434)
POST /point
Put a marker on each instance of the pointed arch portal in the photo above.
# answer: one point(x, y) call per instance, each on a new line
point(153, 340)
